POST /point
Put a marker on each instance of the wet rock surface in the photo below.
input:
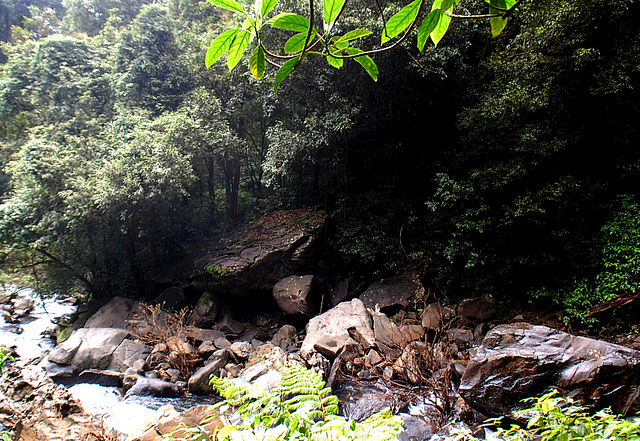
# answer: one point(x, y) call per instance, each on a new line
point(520, 360)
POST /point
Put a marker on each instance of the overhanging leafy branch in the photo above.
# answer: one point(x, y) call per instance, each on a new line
point(337, 48)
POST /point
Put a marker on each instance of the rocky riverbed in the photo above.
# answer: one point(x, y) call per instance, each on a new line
point(391, 344)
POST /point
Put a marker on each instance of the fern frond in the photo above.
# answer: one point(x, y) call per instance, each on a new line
point(302, 408)
point(236, 393)
point(381, 426)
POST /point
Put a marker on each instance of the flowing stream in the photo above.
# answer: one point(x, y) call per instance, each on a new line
point(30, 340)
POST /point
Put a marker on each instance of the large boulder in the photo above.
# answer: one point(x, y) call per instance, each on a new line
point(395, 291)
point(332, 327)
point(119, 312)
point(127, 353)
point(155, 388)
point(298, 295)
point(172, 298)
point(206, 311)
point(199, 382)
point(519, 360)
point(89, 348)
point(253, 256)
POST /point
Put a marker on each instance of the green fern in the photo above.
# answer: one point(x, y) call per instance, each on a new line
point(301, 408)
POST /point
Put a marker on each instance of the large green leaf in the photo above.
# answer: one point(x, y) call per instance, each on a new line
point(497, 23)
point(331, 9)
point(284, 72)
point(428, 25)
point(352, 35)
point(219, 46)
point(257, 64)
point(401, 21)
point(238, 48)
point(296, 43)
point(267, 6)
point(231, 5)
point(366, 62)
point(443, 24)
point(443, 5)
point(335, 62)
point(290, 22)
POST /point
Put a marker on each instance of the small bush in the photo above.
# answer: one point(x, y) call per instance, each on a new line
point(553, 418)
point(620, 266)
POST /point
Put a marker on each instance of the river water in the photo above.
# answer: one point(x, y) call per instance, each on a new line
point(30, 341)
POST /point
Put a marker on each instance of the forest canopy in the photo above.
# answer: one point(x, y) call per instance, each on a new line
point(502, 161)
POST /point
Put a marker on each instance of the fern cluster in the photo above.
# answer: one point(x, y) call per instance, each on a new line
point(301, 408)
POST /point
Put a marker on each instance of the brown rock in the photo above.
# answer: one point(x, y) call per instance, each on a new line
point(171, 298)
point(395, 291)
point(478, 308)
point(412, 332)
point(285, 337)
point(435, 317)
point(298, 295)
point(520, 360)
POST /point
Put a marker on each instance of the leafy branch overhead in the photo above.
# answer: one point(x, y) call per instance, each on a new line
point(336, 48)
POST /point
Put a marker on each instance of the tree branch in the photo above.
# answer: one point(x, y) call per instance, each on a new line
point(309, 32)
point(472, 17)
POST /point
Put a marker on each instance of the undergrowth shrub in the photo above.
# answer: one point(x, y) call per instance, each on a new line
point(554, 418)
point(620, 266)
point(301, 408)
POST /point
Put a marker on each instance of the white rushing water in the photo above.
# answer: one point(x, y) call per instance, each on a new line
point(27, 336)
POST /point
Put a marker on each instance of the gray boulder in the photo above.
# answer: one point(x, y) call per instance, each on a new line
point(117, 313)
point(334, 325)
point(206, 311)
point(298, 295)
point(199, 381)
point(155, 388)
point(89, 348)
point(520, 360)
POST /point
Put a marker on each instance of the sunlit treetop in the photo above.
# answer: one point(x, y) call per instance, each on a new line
point(335, 47)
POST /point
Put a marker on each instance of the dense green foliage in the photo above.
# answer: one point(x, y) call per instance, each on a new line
point(300, 408)
point(620, 266)
point(553, 418)
point(488, 165)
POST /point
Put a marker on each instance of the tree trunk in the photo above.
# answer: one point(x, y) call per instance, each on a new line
point(232, 187)
point(134, 265)
point(210, 184)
